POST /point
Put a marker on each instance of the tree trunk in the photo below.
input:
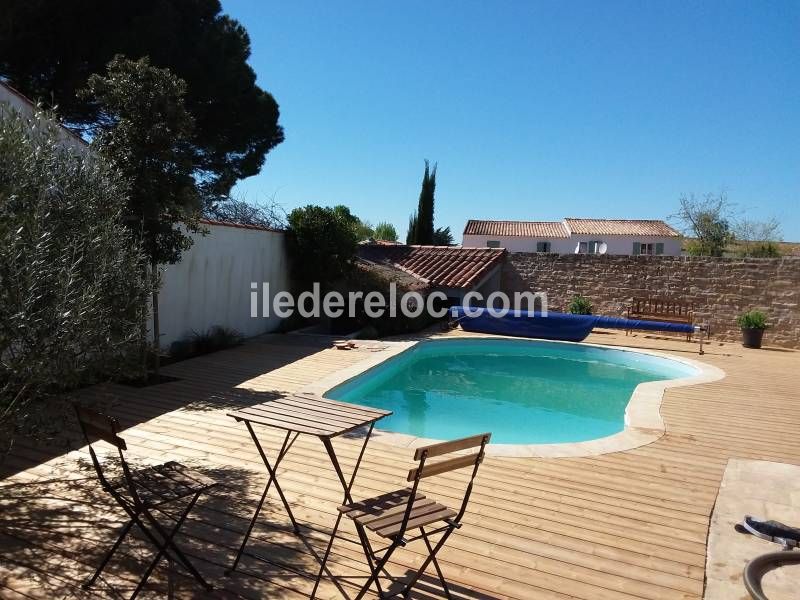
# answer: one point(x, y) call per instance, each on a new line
point(156, 329)
point(143, 333)
point(144, 346)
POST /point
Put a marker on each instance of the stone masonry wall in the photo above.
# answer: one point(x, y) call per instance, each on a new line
point(719, 288)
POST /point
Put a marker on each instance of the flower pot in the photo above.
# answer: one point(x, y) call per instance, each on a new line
point(751, 337)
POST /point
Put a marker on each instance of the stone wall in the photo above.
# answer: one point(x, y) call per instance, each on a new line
point(719, 288)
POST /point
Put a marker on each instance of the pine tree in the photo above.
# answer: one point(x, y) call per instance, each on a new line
point(443, 237)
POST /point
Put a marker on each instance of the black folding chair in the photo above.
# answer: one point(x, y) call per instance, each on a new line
point(392, 515)
point(141, 492)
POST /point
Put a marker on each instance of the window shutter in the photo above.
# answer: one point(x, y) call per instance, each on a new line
point(660, 248)
point(636, 248)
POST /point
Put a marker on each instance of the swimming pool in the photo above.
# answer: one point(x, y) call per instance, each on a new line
point(524, 392)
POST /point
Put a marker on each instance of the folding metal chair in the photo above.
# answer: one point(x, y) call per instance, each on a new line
point(392, 515)
point(141, 492)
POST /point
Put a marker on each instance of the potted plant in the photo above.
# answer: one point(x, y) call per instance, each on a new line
point(753, 323)
point(580, 305)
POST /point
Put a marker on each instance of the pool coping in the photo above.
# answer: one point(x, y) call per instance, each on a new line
point(643, 422)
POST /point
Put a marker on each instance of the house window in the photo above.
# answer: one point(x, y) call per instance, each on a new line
point(592, 247)
point(543, 246)
point(648, 248)
point(492, 244)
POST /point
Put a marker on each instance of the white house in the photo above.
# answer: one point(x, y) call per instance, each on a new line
point(575, 236)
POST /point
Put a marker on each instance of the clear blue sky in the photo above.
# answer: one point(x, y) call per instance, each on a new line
point(533, 110)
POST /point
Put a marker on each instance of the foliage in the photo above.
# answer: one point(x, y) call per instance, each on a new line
point(580, 305)
point(411, 234)
point(363, 230)
point(73, 292)
point(753, 319)
point(718, 229)
point(234, 210)
point(759, 250)
point(385, 232)
point(50, 49)
point(323, 242)
point(144, 127)
point(708, 219)
point(693, 248)
point(204, 342)
point(423, 218)
point(443, 237)
point(757, 238)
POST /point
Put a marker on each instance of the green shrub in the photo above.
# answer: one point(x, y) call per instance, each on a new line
point(210, 340)
point(385, 231)
point(181, 349)
point(580, 305)
point(322, 242)
point(753, 319)
point(760, 250)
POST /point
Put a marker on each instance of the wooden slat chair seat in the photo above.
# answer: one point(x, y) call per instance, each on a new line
point(384, 514)
point(394, 514)
point(140, 493)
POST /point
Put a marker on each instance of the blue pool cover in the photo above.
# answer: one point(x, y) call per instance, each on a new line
point(554, 326)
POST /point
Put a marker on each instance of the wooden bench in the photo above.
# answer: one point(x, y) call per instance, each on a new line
point(661, 309)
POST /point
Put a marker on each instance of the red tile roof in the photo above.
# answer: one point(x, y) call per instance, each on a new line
point(445, 266)
point(543, 229)
point(620, 227)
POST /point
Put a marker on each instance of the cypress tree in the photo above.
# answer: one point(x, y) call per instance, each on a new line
point(411, 236)
point(424, 224)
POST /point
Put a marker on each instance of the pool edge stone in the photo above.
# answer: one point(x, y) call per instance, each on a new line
point(643, 422)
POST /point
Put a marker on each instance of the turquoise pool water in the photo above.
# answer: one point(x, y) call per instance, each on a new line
point(524, 392)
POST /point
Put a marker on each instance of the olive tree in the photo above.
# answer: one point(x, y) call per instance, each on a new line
point(709, 221)
point(72, 287)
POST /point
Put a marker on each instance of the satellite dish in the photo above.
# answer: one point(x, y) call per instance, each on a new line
point(602, 248)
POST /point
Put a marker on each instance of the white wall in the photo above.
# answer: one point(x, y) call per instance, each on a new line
point(617, 244)
point(11, 98)
point(512, 243)
point(211, 284)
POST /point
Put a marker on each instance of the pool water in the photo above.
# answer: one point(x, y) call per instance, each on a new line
point(523, 391)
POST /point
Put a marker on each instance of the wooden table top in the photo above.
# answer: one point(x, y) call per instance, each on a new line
point(311, 414)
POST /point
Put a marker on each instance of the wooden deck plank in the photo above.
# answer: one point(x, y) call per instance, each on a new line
point(624, 525)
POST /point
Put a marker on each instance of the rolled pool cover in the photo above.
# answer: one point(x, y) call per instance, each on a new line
point(553, 326)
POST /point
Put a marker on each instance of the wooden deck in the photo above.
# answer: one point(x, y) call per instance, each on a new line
point(629, 525)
